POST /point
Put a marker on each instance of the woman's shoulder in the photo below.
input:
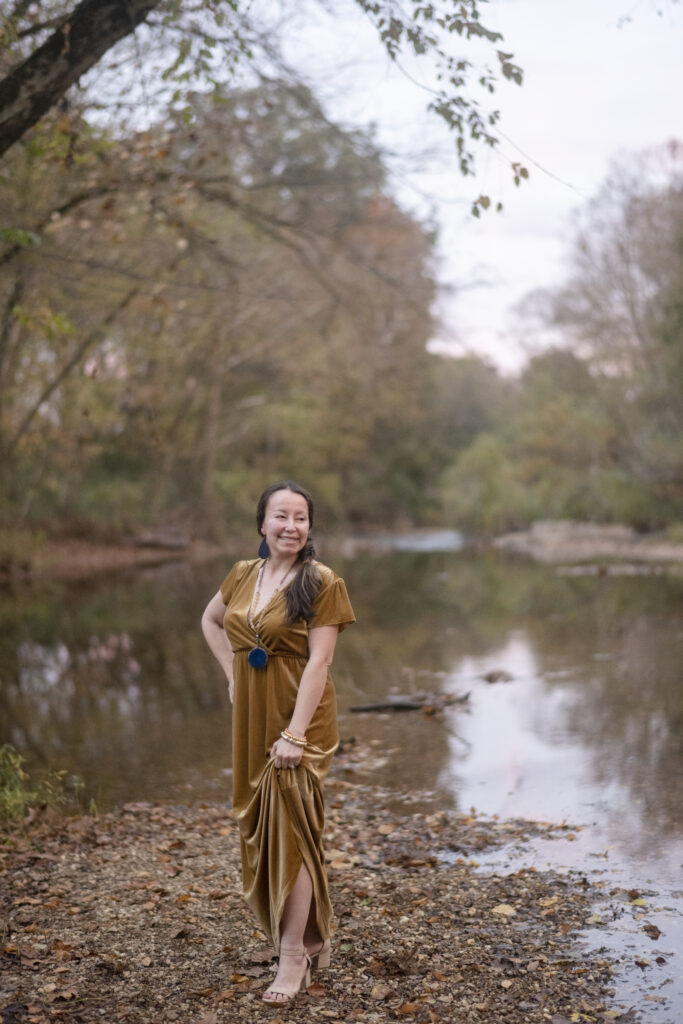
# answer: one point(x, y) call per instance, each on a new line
point(327, 575)
point(246, 563)
point(238, 572)
point(241, 568)
point(331, 606)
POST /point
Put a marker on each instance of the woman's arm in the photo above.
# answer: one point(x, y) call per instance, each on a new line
point(321, 643)
point(217, 638)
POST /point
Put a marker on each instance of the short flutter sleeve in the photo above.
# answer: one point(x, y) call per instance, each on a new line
point(232, 579)
point(332, 606)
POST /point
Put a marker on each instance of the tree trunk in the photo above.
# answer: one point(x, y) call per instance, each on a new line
point(210, 443)
point(92, 28)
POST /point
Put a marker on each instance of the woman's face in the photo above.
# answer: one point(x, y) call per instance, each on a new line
point(286, 525)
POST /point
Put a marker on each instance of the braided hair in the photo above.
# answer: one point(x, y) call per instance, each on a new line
point(304, 588)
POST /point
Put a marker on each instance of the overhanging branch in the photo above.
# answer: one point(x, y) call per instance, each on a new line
point(83, 36)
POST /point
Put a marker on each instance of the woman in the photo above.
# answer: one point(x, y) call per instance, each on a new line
point(273, 626)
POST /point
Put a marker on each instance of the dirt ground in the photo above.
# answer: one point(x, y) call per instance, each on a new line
point(137, 916)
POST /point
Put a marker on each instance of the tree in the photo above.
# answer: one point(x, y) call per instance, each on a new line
point(80, 37)
point(48, 50)
point(210, 302)
point(622, 309)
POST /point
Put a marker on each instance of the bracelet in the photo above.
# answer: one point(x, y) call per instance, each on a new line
point(300, 741)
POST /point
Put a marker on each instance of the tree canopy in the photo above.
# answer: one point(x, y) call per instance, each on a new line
point(203, 303)
point(180, 47)
point(595, 429)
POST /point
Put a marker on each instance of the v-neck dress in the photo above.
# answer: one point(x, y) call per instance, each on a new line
point(280, 812)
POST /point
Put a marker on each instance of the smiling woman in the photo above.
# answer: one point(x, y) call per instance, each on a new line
point(273, 626)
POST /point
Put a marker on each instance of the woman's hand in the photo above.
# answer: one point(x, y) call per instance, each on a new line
point(286, 754)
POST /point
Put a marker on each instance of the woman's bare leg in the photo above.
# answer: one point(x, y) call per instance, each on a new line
point(312, 939)
point(294, 920)
point(297, 910)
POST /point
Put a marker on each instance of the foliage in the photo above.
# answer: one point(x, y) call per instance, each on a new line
point(19, 793)
point(214, 44)
point(211, 306)
point(595, 431)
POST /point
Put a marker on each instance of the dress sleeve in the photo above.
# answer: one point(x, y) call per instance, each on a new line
point(332, 606)
point(231, 580)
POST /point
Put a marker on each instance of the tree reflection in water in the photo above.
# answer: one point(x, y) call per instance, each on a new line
point(112, 680)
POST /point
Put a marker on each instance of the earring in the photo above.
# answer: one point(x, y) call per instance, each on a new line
point(263, 550)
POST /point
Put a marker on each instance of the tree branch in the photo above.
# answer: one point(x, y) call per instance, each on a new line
point(75, 359)
point(84, 35)
point(34, 30)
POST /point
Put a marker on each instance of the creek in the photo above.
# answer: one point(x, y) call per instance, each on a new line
point(110, 680)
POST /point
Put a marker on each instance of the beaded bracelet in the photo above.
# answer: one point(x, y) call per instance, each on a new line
point(300, 741)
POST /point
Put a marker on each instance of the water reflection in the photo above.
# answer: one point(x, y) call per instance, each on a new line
point(112, 681)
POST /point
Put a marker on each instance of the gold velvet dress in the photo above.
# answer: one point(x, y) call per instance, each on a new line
point(280, 812)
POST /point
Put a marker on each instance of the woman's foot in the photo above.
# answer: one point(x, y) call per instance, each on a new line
point(293, 974)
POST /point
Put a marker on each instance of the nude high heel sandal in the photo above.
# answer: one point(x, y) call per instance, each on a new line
point(321, 958)
point(289, 993)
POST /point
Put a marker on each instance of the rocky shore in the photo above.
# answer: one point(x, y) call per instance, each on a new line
point(567, 541)
point(136, 917)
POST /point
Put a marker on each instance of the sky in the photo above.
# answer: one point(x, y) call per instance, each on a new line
point(602, 79)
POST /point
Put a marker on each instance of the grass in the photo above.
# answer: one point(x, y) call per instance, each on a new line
point(20, 793)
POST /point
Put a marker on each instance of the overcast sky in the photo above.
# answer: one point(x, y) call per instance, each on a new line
point(602, 78)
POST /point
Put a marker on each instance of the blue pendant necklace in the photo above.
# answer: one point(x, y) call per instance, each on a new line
point(258, 656)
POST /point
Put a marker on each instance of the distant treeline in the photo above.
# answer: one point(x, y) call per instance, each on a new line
point(232, 297)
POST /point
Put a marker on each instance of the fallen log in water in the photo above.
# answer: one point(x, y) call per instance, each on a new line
point(427, 702)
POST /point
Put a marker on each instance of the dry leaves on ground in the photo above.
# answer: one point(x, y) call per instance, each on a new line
point(136, 917)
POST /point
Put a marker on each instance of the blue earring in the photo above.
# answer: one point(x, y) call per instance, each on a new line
point(263, 550)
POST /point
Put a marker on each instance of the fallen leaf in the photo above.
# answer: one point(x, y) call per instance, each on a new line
point(262, 956)
point(380, 991)
point(504, 909)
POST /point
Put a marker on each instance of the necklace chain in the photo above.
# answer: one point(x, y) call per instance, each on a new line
point(257, 623)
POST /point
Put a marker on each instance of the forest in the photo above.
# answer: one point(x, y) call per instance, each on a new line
point(231, 294)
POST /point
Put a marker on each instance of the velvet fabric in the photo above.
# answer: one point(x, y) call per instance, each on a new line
point(280, 812)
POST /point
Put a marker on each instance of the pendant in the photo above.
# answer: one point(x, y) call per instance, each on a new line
point(257, 657)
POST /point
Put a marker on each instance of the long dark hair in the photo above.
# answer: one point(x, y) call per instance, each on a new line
point(303, 590)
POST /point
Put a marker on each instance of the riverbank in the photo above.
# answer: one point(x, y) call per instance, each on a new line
point(136, 917)
point(556, 541)
point(24, 557)
point(72, 559)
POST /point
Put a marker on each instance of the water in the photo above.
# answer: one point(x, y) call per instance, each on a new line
point(111, 680)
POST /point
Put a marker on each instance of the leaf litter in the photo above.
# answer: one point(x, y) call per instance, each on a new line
point(136, 917)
